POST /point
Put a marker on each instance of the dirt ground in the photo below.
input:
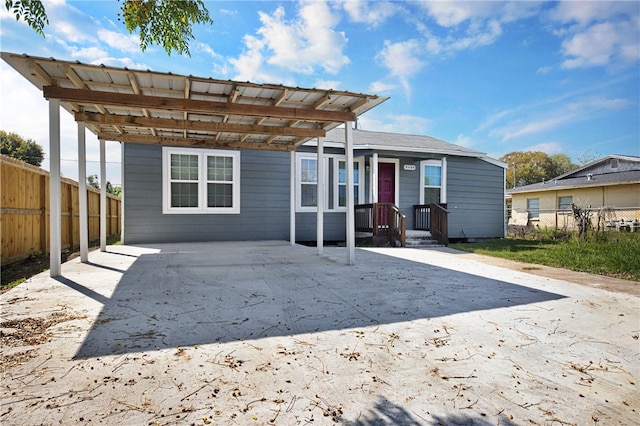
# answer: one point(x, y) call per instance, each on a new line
point(267, 333)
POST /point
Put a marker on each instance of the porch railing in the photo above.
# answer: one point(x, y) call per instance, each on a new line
point(439, 217)
point(382, 219)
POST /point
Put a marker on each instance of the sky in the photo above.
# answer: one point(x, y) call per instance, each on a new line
point(497, 77)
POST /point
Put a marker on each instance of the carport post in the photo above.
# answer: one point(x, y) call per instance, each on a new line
point(55, 192)
point(374, 178)
point(103, 197)
point(320, 197)
point(292, 200)
point(351, 226)
point(122, 241)
point(82, 194)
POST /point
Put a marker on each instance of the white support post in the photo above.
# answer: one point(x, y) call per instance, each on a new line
point(103, 197)
point(55, 191)
point(374, 178)
point(320, 197)
point(351, 226)
point(443, 181)
point(82, 194)
point(122, 241)
point(292, 200)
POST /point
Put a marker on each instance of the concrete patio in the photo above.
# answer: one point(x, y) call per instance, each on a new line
point(268, 333)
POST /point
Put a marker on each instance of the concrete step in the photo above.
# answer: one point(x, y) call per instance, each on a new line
point(420, 239)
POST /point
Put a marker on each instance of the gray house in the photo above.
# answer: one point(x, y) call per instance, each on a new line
point(407, 171)
point(221, 160)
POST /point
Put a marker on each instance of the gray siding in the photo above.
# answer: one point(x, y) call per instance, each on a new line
point(475, 198)
point(474, 191)
point(264, 201)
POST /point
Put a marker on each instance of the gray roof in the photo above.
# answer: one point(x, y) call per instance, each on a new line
point(363, 139)
point(609, 170)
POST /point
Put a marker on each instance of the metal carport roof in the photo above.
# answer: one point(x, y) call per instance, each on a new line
point(146, 107)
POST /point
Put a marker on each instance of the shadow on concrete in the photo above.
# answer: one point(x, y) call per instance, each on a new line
point(194, 295)
point(387, 413)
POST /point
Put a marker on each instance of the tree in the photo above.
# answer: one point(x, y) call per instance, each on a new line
point(16, 146)
point(530, 167)
point(164, 22)
point(94, 182)
point(562, 164)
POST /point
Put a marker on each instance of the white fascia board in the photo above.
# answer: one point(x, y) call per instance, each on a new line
point(495, 162)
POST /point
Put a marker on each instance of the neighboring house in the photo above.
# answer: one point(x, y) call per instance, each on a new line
point(612, 182)
point(411, 170)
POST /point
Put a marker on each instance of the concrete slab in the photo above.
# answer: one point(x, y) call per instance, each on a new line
point(268, 333)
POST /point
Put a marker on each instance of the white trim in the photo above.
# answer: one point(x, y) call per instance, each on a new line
point(330, 206)
point(321, 199)
point(202, 154)
point(443, 178)
point(351, 226)
point(374, 178)
point(82, 194)
point(55, 192)
point(298, 182)
point(292, 198)
point(396, 162)
point(122, 194)
point(336, 182)
point(103, 196)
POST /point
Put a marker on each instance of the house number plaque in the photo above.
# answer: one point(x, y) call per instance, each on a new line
point(409, 167)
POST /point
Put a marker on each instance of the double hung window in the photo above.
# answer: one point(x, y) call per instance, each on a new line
point(200, 181)
point(432, 182)
point(335, 185)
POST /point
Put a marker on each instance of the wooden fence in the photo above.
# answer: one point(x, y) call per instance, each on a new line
point(24, 209)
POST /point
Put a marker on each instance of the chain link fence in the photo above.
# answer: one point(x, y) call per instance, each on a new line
point(620, 219)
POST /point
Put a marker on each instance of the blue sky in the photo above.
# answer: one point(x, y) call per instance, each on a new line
point(558, 77)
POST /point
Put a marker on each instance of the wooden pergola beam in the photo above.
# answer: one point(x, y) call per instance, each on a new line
point(188, 125)
point(192, 142)
point(93, 97)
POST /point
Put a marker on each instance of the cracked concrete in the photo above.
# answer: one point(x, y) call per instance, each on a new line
point(268, 333)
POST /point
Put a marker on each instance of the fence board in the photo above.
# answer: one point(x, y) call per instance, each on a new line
point(24, 208)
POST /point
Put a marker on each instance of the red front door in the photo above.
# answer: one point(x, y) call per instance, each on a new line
point(386, 183)
point(386, 191)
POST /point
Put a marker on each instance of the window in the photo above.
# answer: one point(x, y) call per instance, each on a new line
point(335, 189)
point(308, 182)
point(200, 181)
point(432, 181)
point(342, 181)
point(564, 203)
point(533, 208)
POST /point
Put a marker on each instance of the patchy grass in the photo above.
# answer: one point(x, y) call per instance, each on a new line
point(16, 273)
point(615, 254)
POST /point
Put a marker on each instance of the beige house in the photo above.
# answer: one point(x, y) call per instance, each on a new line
point(609, 186)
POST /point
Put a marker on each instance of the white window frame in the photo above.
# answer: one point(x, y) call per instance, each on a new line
point(442, 163)
point(202, 181)
point(329, 207)
point(336, 183)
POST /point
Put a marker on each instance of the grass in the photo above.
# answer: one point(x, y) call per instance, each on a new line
point(16, 273)
point(615, 254)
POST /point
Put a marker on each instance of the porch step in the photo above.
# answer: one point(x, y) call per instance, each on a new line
point(420, 239)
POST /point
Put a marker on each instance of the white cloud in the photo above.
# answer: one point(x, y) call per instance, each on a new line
point(585, 13)
point(598, 33)
point(403, 61)
point(523, 121)
point(372, 13)
point(453, 13)
point(544, 70)
point(381, 87)
point(301, 45)
point(404, 123)
point(548, 148)
point(123, 42)
point(327, 84)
